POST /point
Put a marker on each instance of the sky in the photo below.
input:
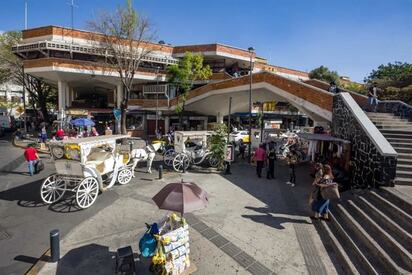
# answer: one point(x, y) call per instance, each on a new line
point(352, 37)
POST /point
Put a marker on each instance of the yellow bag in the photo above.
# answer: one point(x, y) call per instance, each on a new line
point(159, 257)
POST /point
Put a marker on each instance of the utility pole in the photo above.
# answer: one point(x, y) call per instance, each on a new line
point(25, 15)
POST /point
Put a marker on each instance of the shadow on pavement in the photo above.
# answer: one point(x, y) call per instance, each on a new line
point(95, 259)
point(271, 220)
point(26, 195)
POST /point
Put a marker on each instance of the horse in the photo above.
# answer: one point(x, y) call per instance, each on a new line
point(146, 154)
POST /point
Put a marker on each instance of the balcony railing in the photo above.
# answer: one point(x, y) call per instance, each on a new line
point(75, 48)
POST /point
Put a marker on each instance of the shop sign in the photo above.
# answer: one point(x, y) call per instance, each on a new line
point(77, 112)
point(229, 153)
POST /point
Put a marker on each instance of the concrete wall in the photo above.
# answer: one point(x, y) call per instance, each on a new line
point(373, 158)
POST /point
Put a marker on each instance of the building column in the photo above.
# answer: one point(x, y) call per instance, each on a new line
point(61, 97)
point(167, 124)
point(205, 122)
point(219, 118)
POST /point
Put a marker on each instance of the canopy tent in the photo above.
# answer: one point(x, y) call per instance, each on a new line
point(321, 137)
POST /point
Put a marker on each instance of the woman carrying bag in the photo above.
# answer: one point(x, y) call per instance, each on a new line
point(327, 191)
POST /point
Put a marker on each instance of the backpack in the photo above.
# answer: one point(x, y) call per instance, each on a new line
point(272, 154)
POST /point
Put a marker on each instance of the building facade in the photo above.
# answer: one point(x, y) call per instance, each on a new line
point(73, 62)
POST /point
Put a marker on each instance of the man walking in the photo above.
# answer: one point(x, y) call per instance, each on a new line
point(373, 98)
point(31, 157)
point(271, 156)
point(292, 160)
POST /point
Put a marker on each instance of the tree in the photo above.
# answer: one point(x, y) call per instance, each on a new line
point(324, 74)
point(394, 81)
point(41, 94)
point(126, 36)
point(183, 75)
point(217, 143)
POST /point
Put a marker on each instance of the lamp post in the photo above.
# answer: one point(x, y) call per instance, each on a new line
point(251, 51)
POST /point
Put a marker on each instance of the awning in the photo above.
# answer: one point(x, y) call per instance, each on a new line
point(309, 136)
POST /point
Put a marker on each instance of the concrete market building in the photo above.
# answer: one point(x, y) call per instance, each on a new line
point(71, 60)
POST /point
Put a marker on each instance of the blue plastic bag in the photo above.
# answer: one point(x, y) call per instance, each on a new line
point(148, 243)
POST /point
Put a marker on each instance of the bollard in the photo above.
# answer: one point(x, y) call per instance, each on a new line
point(55, 245)
point(228, 172)
point(160, 172)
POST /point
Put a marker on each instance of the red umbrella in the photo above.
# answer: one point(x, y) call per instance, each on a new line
point(181, 197)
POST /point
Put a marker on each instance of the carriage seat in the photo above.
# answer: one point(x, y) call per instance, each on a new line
point(102, 160)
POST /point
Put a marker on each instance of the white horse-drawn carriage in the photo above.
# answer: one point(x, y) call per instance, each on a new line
point(190, 147)
point(88, 165)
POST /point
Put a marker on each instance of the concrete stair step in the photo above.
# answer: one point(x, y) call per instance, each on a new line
point(404, 174)
point(395, 120)
point(403, 140)
point(401, 144)
point(348, 254)
point(396, 136)
point(404, 156)
point(402, 218)
point(397, 198)
point(375, 254)
point(394, 127)
point(403, 181)
point(404, 161)
point(391, 227)
point(372, 114)
point(404, 167)
point(397, 252)
point(402, 149)
point(407, 132)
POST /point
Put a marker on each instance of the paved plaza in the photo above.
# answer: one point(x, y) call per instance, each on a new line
point(251, 225)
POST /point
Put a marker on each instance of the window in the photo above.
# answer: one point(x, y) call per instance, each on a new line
point(134, 121)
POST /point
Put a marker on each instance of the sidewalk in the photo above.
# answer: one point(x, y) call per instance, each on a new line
point(250, 226)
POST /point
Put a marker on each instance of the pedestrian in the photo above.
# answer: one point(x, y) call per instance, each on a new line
point(259, 157)
point(373, 98)
point(271, 156)
point(43, 135)
point(333, 88)
point(60, 133)
point(31, 157)
point(318, 176)
point(159, 133)
point(321, 206)
point(242, 148)
point(292, 159)
point(94, 132)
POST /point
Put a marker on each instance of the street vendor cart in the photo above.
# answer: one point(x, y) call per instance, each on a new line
point(88, 166)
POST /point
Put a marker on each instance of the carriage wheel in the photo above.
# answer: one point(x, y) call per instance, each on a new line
point(87, 192)
point(52, 189)
point(213, 161)
point(124, 176)
point(180, 161)
point(168, 157)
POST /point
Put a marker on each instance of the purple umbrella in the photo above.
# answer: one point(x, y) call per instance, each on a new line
point(181, 197)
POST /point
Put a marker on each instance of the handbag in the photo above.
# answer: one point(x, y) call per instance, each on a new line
point(39, 166)
point(331, 192)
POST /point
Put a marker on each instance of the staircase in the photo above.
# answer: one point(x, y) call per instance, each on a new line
point(399, 134)
point(370, 232)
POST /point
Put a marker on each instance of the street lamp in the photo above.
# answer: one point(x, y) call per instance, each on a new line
point(251, 51)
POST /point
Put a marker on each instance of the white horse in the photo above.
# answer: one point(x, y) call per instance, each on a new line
point(147, 154)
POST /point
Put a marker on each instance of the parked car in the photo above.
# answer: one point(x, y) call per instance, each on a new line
point(6, 122)
point(239, 135)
